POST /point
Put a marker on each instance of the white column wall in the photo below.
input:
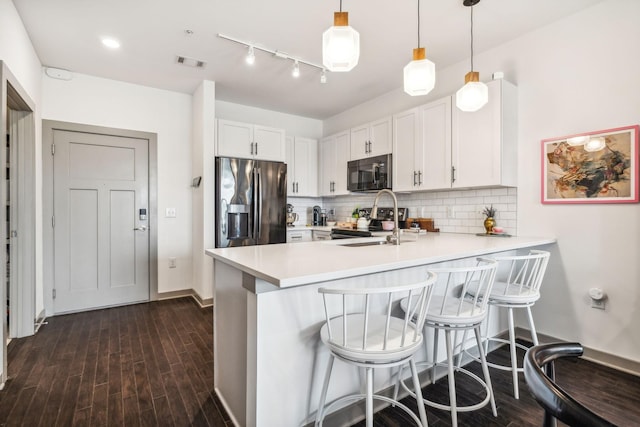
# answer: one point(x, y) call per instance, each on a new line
point(203, 196)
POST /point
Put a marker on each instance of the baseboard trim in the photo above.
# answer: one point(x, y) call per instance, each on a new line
point(206, 302)
point(40, 320)
point(596, 356)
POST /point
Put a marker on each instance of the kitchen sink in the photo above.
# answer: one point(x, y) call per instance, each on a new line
point(374, 243)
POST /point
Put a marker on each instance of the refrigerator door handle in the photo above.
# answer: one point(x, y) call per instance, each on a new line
point(259, 191)
point(254, 203)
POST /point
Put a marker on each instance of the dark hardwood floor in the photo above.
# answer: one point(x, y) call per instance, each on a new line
point(145, 364)
point(152, 365)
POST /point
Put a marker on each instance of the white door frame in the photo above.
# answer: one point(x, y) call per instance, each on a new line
point(48, 128)
point(23, 316)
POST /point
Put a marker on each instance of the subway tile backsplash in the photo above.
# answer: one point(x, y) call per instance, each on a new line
point(453, 211)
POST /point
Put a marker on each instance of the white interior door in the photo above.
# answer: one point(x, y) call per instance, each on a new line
point(101, 238)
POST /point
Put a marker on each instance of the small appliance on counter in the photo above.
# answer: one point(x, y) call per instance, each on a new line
point(291, 215)
point(316, 215)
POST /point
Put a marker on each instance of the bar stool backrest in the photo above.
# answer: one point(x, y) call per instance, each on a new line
point(361, 322)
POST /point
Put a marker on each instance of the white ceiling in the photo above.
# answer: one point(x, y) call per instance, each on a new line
point(66, 34)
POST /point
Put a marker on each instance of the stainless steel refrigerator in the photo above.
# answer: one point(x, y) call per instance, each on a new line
point(251, 199)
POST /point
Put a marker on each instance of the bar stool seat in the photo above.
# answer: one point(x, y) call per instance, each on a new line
point(451, 311)
point(364, 333)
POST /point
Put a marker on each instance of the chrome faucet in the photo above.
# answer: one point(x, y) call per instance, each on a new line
point(395, 235)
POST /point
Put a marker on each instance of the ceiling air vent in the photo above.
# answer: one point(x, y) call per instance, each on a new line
point(190, 62)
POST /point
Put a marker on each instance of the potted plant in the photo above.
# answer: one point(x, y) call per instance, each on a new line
point(489, 221)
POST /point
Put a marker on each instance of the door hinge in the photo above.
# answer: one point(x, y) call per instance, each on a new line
point(53, 221)
point(54, 294)
point(53, 149)
point(14, 233)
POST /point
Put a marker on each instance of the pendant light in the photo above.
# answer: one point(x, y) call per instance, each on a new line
point(474, 94)
point(419, 74)
point(340, 44)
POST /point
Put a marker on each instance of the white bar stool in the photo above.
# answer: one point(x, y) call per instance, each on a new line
point(363, 333)
point(520, 288)
point(451, 311)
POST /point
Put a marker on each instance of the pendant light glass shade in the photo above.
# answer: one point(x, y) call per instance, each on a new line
point(473, 95)
point(340, 45)
point(419, 74)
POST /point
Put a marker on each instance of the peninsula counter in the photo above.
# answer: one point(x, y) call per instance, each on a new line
point(269, 361)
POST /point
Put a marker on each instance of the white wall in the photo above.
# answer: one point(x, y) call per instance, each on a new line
point(576, 75)
point(101, 102)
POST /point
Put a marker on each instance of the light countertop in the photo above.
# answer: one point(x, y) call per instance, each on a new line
point(293, 264)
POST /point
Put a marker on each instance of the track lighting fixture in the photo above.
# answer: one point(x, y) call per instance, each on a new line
point(420, 73)
point(250, 58)
point(296, 70)
point(340, 44)
point(474, 94)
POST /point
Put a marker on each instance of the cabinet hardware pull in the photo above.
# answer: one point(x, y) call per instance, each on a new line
point(419, 177)
point(414, 178)
point(453, 174)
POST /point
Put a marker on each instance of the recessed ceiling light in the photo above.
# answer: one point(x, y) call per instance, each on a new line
point(111, 43)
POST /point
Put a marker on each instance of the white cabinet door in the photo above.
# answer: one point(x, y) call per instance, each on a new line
point(321, 235)
point(371, 139)
point(269, 143)
point(334, 155)
point(380, 134)
point(235, 139)
point(484, 142)
point(302, 166)
point(295, 236)
point(422, 147)
point(359, 142)
point(434, 153)
point(406, 143)
point(245, 140)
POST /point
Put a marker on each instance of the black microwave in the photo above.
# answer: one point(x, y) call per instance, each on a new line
point(370, 174)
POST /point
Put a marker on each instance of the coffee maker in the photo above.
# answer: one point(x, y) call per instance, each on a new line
point(316, 215)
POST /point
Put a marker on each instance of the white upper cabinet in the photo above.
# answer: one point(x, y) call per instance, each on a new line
point(435, 153)
point(484, 143)
point(249, 141)
point(436, 146)
point(302, 166)
point(371, 139)
point(422, 147)
point(334, 155)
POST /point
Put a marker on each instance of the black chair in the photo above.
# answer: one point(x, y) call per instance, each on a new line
point(557, 403)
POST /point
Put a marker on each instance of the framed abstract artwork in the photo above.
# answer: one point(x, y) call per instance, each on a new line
point(593, 167)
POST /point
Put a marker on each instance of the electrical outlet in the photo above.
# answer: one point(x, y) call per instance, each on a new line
point(170, 213)
point(451, 212)
point(597, 303)
point(172, 263)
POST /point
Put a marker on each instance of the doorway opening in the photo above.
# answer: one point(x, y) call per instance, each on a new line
point(17, 218)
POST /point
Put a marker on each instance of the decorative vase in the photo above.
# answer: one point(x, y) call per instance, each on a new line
point(489, 223)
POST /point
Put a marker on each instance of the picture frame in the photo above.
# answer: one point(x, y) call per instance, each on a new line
point(591, 167)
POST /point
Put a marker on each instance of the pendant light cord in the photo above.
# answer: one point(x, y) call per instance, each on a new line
point(340, 5)
point(418, 23)
point(471, 37)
